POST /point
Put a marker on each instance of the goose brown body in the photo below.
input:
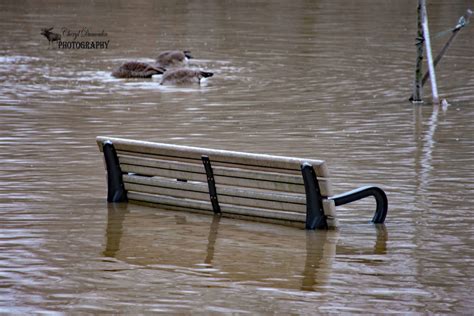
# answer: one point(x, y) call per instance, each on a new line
point(136, 69)
point(184, 76)
point(173, 58)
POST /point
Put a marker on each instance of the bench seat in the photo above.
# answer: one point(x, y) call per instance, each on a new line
point(255, 186)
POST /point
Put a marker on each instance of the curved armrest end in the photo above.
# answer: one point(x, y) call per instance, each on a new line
point(363, 192)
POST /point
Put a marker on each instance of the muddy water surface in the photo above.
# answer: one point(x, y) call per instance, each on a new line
point(318, 79)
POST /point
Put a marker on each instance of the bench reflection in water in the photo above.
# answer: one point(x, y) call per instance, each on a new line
point(227, 249)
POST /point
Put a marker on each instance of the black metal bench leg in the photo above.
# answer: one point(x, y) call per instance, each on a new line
point(315, 218)
point(363, 192)
point(115, 186)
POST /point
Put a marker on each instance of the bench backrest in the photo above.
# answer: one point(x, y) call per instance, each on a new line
point(250, 185)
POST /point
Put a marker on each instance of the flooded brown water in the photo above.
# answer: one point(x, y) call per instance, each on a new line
point(317, 79)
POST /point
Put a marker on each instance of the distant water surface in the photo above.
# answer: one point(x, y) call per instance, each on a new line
point(317, 79)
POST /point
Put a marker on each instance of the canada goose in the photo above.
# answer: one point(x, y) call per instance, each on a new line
point(173, 58)
point(135, 69)
point(184, 76)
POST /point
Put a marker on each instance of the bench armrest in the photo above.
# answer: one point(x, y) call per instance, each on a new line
point(363, 192)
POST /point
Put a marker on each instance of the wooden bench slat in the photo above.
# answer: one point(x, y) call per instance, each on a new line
point(264, 185)
point(222, 189)
point(262, 194)
point(251, 202)
point(295, 172)
point(166, 200)
point(167, 183)
point(215, 155)
point(167, 191)
point(206, 206)
point(193, 161)
point(218, 170)
point(223, 199)
point(265, 213)
point(324, 185)
point(191, 176)
point(257, 175)
point(175, 174)
point(162, 164)
point(191, 172)
point(258, 198)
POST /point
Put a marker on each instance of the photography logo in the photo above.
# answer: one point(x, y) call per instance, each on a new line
point(81, 38)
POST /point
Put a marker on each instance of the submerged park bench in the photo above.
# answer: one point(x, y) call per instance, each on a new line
point(252, 186)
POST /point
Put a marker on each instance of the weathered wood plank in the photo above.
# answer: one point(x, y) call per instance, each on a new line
point(272, 186)
point(230, 176)
point(263, 185)
point(252, 202)
point(167, 192)
point(218, 170)
point(175, 174)
point(222, 189)
point(324, 184)
point(199, 205)
point(214, 154)
point(262, 194)
point(298, 224)
point(190, 176)
point(167, 183)
point(162, 164)
point(260, 168)
point(257, 212)
point(231, 200)
point(166, 200)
